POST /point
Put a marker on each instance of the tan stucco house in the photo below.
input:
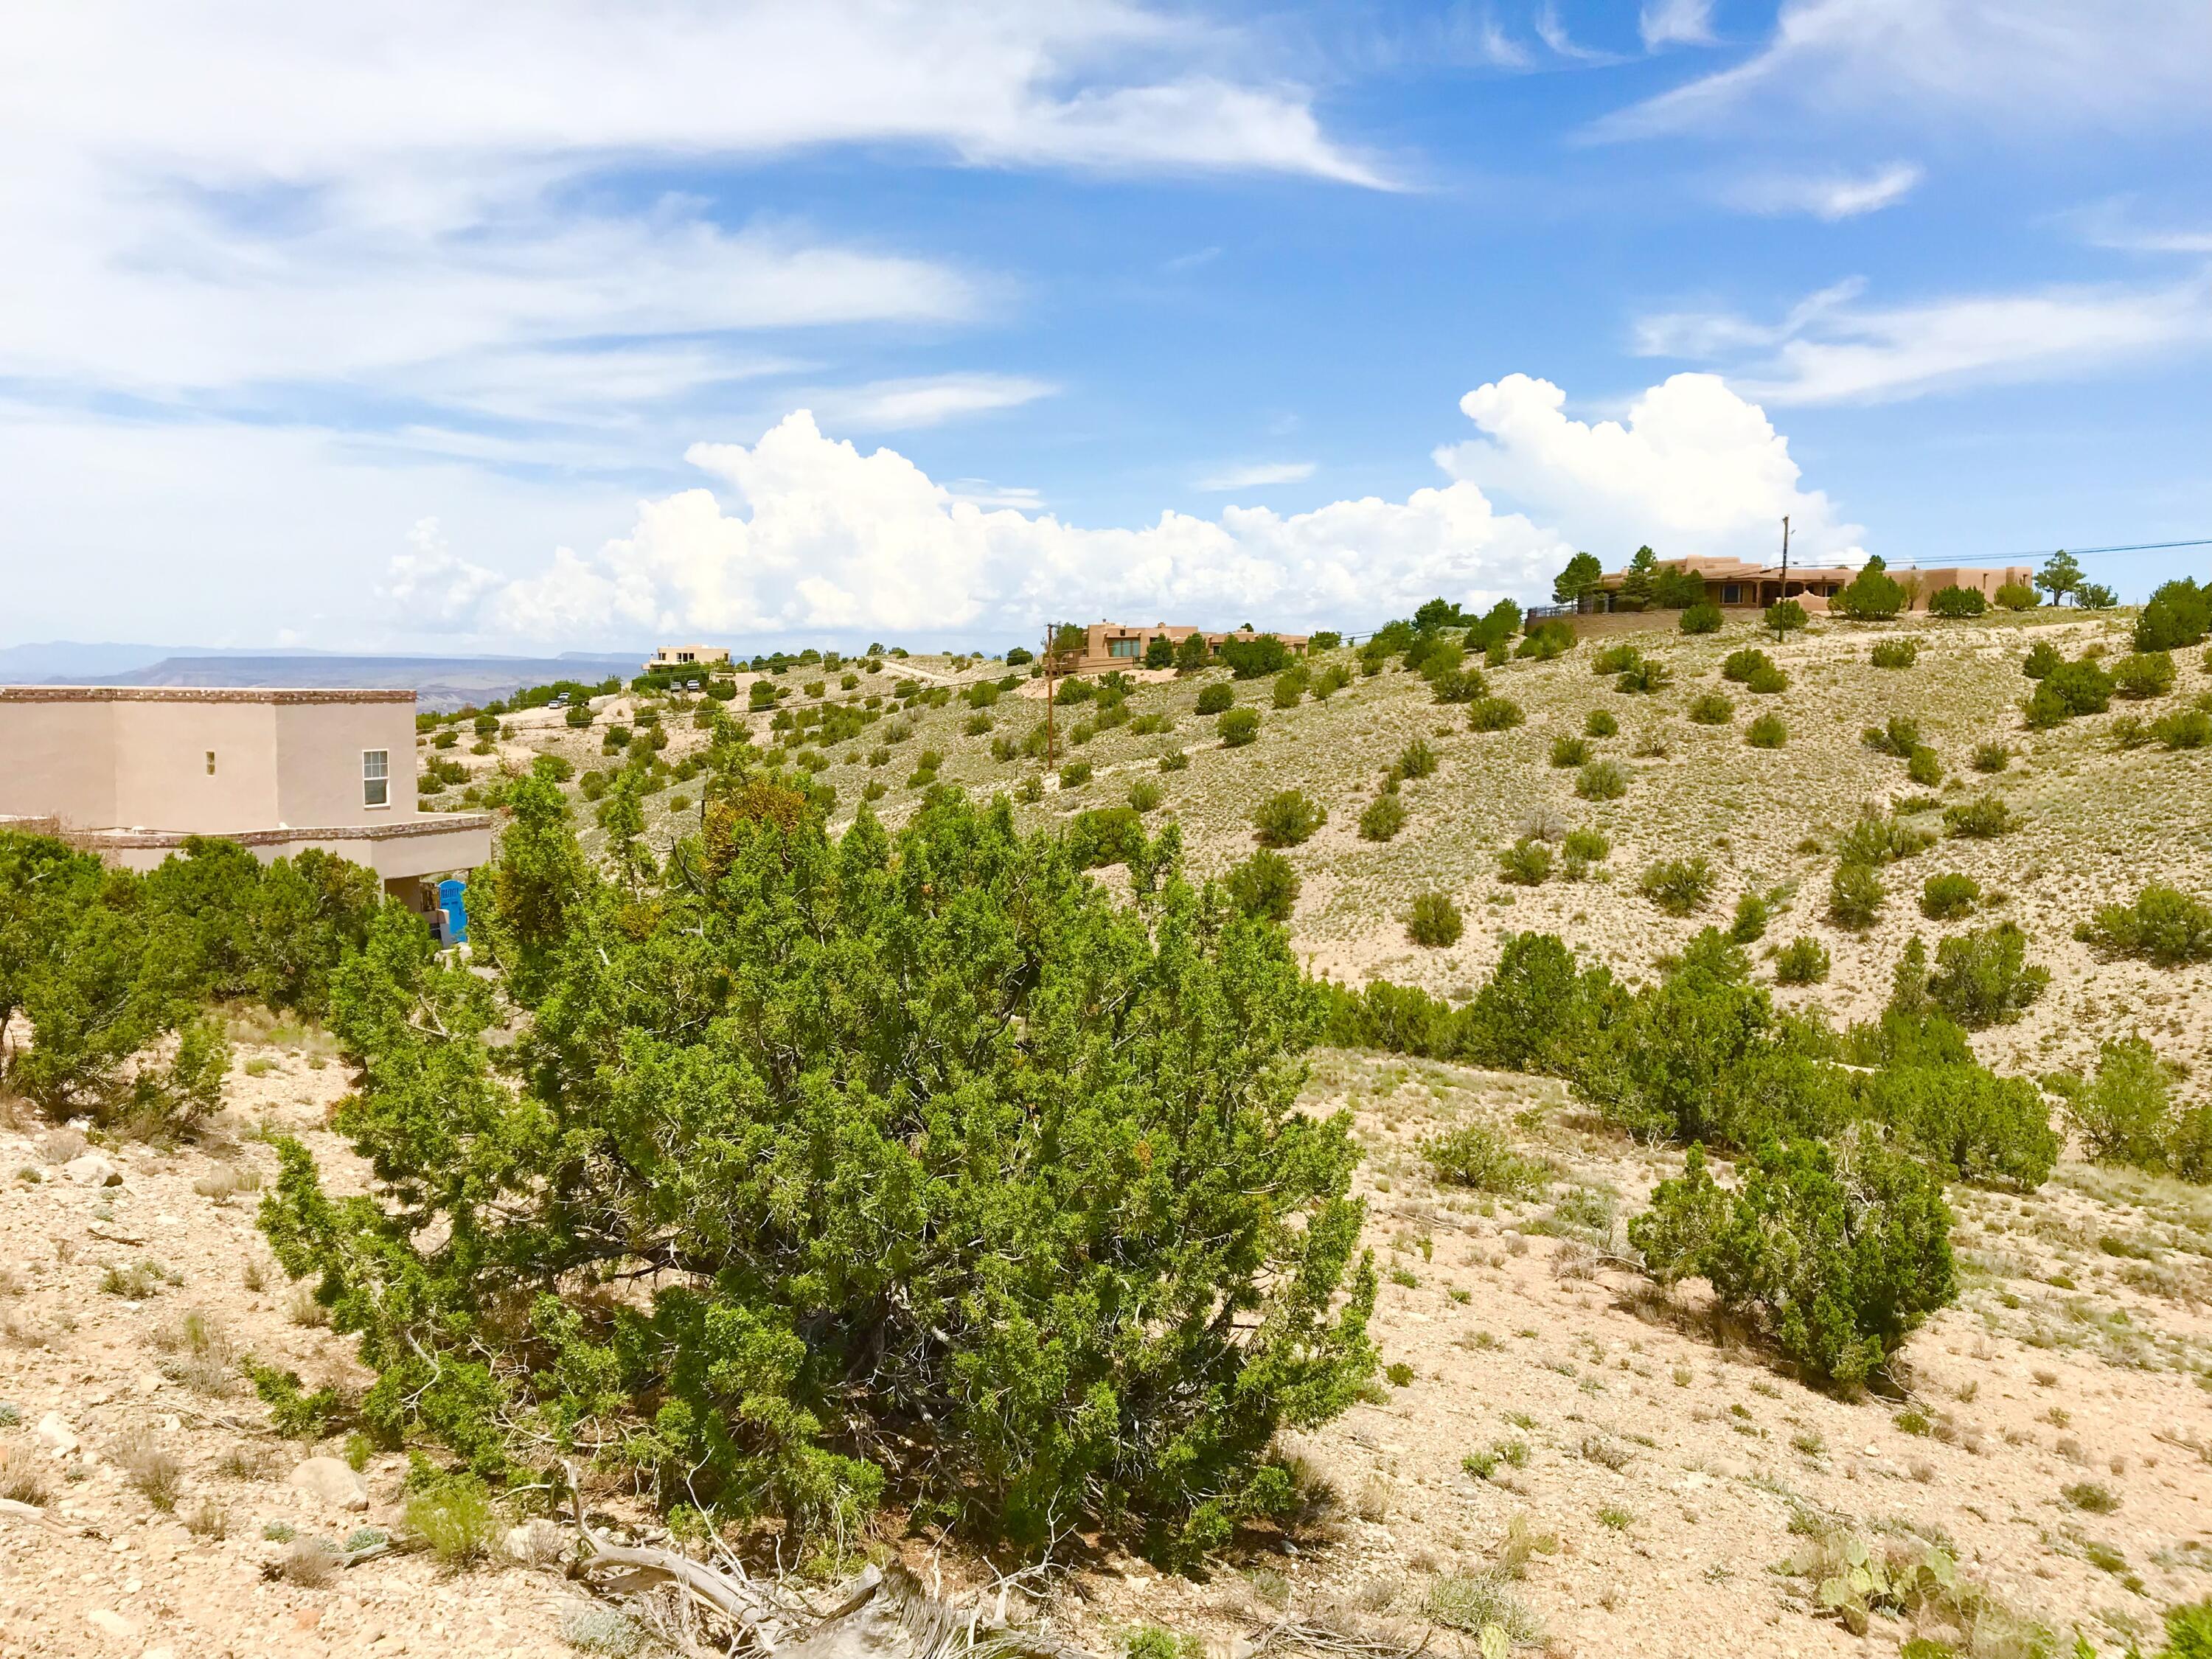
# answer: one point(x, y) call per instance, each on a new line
point(1734, 583)
point(1117, 645)
point(130, 772)
point(688, 656)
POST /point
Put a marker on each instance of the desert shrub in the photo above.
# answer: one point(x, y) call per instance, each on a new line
point(1474, 1156)
point(1493, 714)
point(1615, 659)
point(1991, 758)
point(1678, 886)
point(1417, 760)
point(1075, 774)
point(1458, 686)
point(2016, 596)
point(1434, 921)
point(1956, 602)
point(453, 1515)
point(1539, 1011)
point(1176, 760)
point(1925, 767)
point(1948, 897)
point(1582, 849)
point(1602, 780)
point(1646, 675)
point(1287, 817)
point(1984, 977)
point(1803, 961)
point(1784, 617)
point(1215, 699)
point(860, 1075)
point(1266, 884)
point(1527, 862)
point(1600, 724)
point(1752, 912)
point(1106, 834)
point(2179, 613)
point(2144, 674)
point(1876, 838)
point(1289, 688)
point(1767, 732)
point(1895, 653)
point(1384, 816)
point(1980, 819)
point(1145, 794)
point(2164, 926)
point(1840, 1249)
point(1899, 735)
point(1979, 1127)
point(2042, 658)
point(1256, 658)
point(2185, 728)
point(2085, 688)
point(1712, 709)
point(1570, 751)
point(1873, 595)
point(1740, 665)
point(2126, 1112)
point(2128, 731)
point(1237, 727)
point(1855, 895)
point(1554, 637)
point(1703, 617)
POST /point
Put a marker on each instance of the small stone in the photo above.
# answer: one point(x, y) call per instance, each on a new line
point(149, 1381)
point(110, 1623)
point(159, 1653)
point(57, 1434)
point(330, 1480)
point(91, 1169)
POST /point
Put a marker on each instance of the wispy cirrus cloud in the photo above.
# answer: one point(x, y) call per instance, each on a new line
point(897, 406)
point(1832, 196)
point(1832, 348)
point(1256, 475)
point(1674, 22)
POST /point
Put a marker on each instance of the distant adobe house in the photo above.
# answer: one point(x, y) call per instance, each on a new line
point(688, 656)
point(1113, 645)
point(1737, 583)
point(130, 772)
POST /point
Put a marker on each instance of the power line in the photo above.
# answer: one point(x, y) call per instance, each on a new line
point(1950, 561)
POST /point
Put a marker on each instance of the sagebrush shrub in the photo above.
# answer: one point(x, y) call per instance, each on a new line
point(1712, 709)
point(1615, 659)
point(1583, 848)
point(1493, 714)
point(1568, 752)
point(1899, 736)
point(1840, 1249)
point(1215, 699)
point(2016, 596)
point(1876, 839)
point(1237, 727)
point(1924, 767)
point(1784, 617)
point(2125, 1111)
point(1895, 653)
point(1741, 664)
point(1948, 897)
point(1703, 617)
point(1106, 834)
point(455, 1517)
point(1678, 886)
point(2164, 926)
point(1145, 794)
point(1384, 816)
point(1417, 759)
point(1803, 961)
point(2185, 728)
point(1646, 675)
point(1434, 921)
point(1767, 732)
point(1287, 817)
point(1984, 977)
point(2144, 674)
point(1075, 774)
point(860, 1076)
point(1474, 1156)
point(1991, 758)
point(1527, 862)
point(1855, 895)
point(1981, 818)
point(1266, 884)
point(1600, 724)
point(2042, 656)
point(1602, 780)
point(1752, 912)
point(1956, 602)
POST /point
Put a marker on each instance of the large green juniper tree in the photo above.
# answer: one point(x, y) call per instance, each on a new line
point(833, 1167)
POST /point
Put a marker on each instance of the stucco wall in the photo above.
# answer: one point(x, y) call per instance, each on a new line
point(319, 748)
point(58, 760)
point(161, 780)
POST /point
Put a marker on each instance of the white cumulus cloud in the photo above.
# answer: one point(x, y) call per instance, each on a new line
point(802, 532)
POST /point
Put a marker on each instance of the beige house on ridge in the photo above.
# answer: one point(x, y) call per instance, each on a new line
point(131, 772)
point(1116, 644)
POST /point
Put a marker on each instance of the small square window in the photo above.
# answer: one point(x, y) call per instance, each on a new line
point(376, 777)
point(210, 763)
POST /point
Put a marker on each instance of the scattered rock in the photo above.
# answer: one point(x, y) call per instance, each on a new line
point(108, 1622)
point(57, 1434)
point(330, 1480)
point(91, 1169)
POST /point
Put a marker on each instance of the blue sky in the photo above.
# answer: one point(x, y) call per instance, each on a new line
point(576, 326)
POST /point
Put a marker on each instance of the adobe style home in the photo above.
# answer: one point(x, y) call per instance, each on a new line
point(129, 772)
point(1738, 584)
point(688, 656)
point(1113, 644)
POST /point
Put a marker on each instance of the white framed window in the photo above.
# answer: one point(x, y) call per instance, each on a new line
point(376, 777)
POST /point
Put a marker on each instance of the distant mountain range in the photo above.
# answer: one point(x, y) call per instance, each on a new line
point(438, 681)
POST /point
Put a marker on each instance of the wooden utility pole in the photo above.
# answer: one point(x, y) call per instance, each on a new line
point(1785, 556)
point(1050, 739)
